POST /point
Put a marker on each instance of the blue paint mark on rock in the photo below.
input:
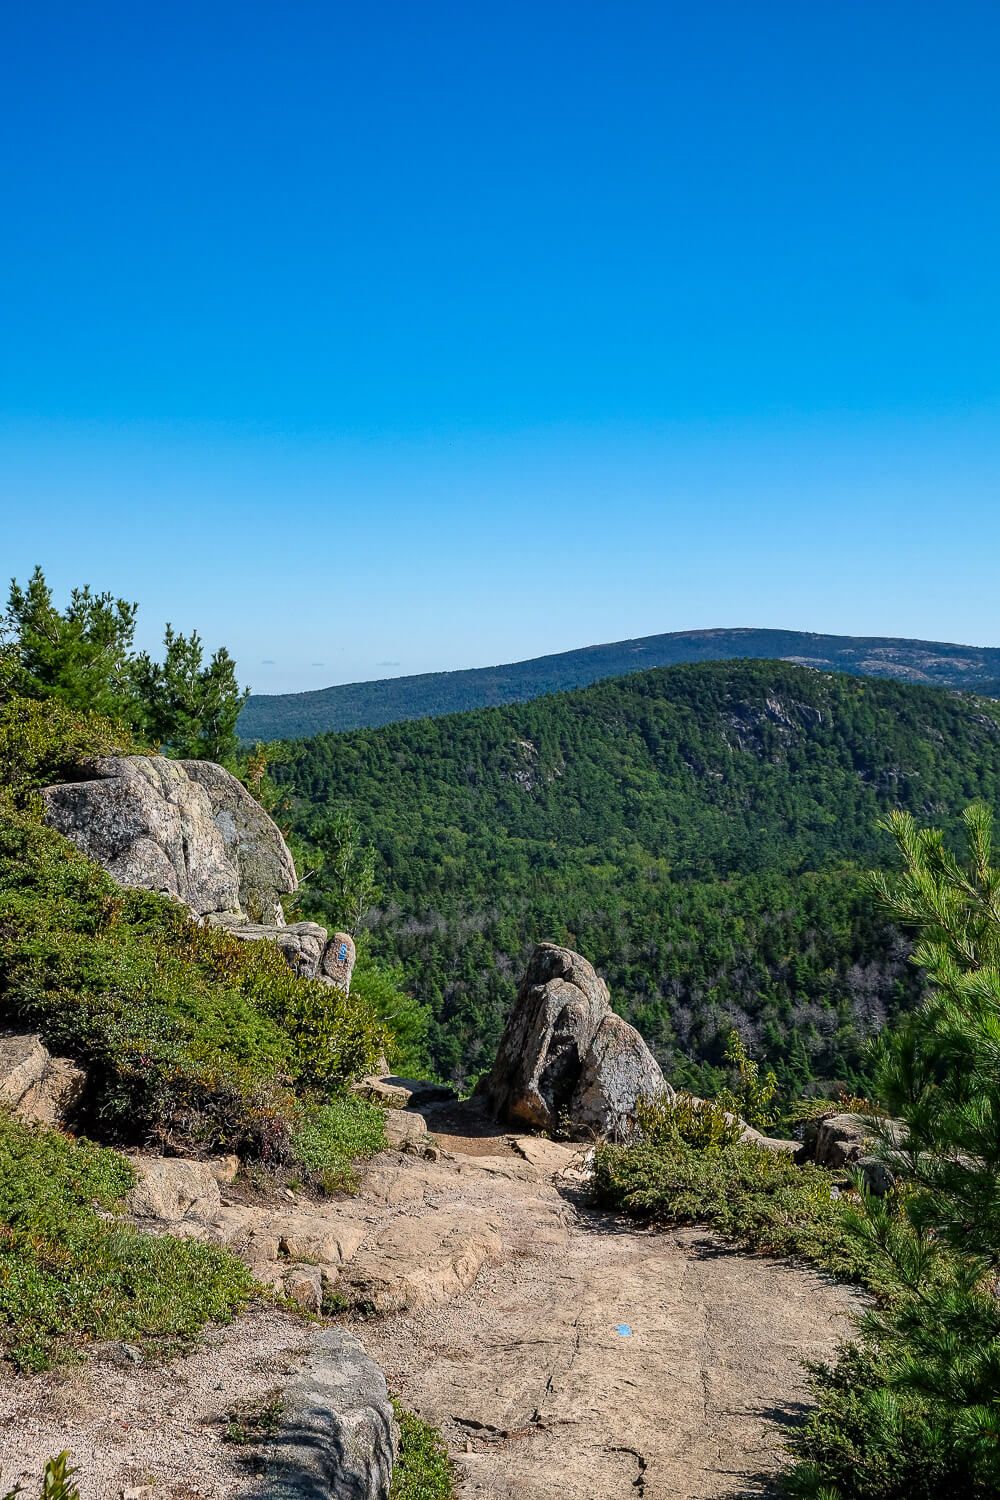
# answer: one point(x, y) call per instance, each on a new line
point(625, 1330)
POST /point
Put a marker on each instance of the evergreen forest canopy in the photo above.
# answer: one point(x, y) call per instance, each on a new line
point(366, 705)
point(700, 833)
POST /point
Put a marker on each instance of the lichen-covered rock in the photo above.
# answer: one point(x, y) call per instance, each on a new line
point(252, 842)
point(184, 828)
point(35, 1086)
point(618, 1069)
point(878, 1175)
point(565, 1060)
point(339, 1435)
point(404, 1127)
point(393, 1092)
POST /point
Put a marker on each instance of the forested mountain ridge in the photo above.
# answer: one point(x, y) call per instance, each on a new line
point(698, 831)
point(360, 705)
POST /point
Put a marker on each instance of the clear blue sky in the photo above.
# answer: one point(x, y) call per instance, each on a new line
point(388, 337)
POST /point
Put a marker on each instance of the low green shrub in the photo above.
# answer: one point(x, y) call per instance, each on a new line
point(42, 740)
point(686, 1121)
point(332, 1137)
point(868, 1438)
point(423, 1470)
point(70, 1272)
point(755, 1198)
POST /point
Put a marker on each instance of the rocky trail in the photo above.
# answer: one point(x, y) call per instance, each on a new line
point(563, 1353)
point(592, 1361)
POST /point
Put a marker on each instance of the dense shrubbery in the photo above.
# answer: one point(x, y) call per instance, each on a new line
point(695, 1173)
point(191, 1039)
point(42, 740)
point(189, 1036)
point(331, 1138)
point(695, 831)
point(69, 1272)
point(869, 1438)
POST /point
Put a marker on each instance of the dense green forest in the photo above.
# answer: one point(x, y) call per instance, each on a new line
point(361, 705)
point(699, 832)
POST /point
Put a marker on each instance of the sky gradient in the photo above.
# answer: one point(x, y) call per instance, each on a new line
point(386, 339)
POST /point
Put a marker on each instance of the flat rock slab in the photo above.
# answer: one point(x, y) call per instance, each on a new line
point(603, 1363)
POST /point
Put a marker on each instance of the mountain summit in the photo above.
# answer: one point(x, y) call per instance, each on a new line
point(366, 705)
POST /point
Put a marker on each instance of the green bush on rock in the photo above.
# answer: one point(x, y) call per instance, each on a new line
point(70, 1272)
point(188, 1035)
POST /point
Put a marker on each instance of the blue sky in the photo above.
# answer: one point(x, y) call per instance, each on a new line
point(391, 338)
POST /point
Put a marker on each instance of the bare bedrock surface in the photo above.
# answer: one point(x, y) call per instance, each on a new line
point(595, 1362)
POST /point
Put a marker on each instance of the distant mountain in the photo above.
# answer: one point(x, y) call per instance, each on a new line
point(366, 705)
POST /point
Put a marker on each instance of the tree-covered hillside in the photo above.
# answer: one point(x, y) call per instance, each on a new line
point(361, 705)
point(698, 832)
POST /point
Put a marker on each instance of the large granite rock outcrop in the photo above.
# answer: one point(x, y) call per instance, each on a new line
point(188, 829)
point(566, 1062)
point(185, 828)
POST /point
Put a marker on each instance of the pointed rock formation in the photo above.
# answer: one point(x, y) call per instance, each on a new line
point(566, 1062)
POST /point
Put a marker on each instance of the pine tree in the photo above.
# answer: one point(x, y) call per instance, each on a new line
point(916, 1412)
point(80, 655)
point(348, 866)
point(187, 707)
point(83, 657)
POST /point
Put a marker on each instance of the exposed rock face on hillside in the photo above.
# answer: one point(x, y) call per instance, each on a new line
point(185, 828)
point(565, 1060)
point(188, 829)
point(252, 842)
